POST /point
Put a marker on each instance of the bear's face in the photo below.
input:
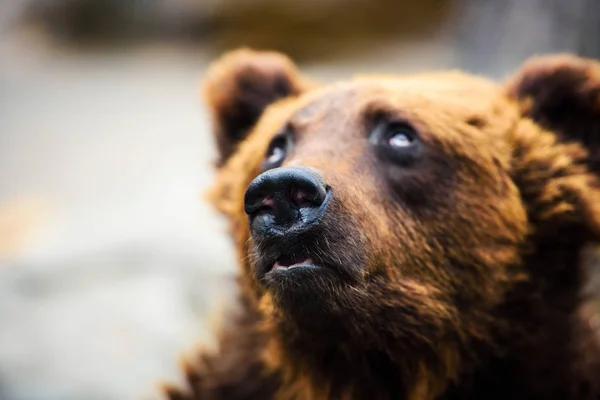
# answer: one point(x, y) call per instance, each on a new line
point(402, 212)
point(416, 187)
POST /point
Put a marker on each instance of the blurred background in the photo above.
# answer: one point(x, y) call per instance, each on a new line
point(110, 262)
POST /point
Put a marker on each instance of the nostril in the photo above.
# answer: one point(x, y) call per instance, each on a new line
point(259, 204)
point(268, 202)
point(298, 196)
point(301, 198)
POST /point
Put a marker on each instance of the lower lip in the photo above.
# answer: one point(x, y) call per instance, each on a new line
point(297, 267)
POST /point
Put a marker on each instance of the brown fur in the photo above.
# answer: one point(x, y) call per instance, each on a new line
point(462, 273)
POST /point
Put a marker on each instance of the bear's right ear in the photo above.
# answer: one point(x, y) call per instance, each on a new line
point(240, 85)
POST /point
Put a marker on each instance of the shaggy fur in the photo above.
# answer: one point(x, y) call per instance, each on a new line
point(456, 275)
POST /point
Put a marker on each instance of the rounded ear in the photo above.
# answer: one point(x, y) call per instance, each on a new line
point(240, 85)
point(561, 196)
point(562, 94)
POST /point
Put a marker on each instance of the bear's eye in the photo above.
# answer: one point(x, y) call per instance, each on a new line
point(400, 136)
point(395, 135)
point(276, 152)
point(397, 142)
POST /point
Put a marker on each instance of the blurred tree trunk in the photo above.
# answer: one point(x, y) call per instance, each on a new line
point(495, 36)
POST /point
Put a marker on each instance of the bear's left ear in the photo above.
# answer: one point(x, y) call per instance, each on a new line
point(562, 94)
point(240, 85)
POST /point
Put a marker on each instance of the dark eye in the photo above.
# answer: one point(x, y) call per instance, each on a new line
point(398, 142)
point(399, 136)
point(276, 152)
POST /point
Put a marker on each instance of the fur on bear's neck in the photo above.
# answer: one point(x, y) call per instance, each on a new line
point(552, 350)
point(355, 355)
point(549, 351)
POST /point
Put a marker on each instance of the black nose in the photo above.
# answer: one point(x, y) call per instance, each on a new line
point(284, 197)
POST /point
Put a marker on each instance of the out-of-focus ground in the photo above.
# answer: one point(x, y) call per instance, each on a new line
point(109, 260)
point(103, 159)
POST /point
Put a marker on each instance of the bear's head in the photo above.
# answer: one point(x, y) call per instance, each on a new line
point(419, 225)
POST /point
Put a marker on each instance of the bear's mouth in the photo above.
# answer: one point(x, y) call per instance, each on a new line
point(302, 257)
point(284, 263)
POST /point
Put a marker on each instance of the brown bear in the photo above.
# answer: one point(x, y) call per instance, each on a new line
point(406, 237)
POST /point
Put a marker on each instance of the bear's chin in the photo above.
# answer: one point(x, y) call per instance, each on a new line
point(309, 294)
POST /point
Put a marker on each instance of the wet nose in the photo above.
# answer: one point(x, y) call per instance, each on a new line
point(282, 198)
